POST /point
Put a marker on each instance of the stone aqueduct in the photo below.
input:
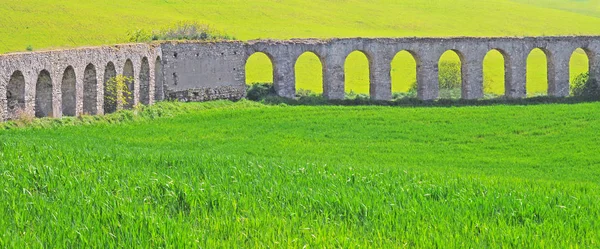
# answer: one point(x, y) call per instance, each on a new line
point(71, 82)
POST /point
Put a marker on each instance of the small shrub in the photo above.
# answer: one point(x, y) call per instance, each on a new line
point(139, 35)
point(23, 118)
point(117, 90)
point(260, 91)
point(179, 31)
point(583, 86)
point(449, 75)
point(29, 48)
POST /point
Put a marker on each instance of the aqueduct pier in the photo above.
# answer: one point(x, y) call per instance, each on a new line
point(72, 82)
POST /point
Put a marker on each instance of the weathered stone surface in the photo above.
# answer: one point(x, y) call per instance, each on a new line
point(42, 82)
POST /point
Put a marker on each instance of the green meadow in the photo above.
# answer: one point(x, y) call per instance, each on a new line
point(223, 175)
point(45, 24)
point(253, 175)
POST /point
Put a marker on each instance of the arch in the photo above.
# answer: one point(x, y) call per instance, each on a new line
point(145, 82)
point(15, 95)
point(43, 95)
point(579, 69)
point(129, 72)
point(537, 72)
point(357, 73)
point(69, 92)
point(450, 74)
point(159, 92)
point(259, 68)
point(110, 96)
point(404, 74)
point(90, 90)
point(494, 73)
point(309, 72)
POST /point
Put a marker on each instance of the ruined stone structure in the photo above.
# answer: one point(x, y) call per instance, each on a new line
point(72, 82)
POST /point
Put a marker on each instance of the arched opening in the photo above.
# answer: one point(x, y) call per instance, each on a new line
point(309, 74)
point(579, 68)
point(494, 71)
point(145, 82)
point(159, 92)
point(69, 93)
point(15, 95)
point(357, 74)
point(404, 75)
point(537, 73)
point(259, 69)
point(110, 104)
point(129, 94)
point(43, 95)
point(449, 75)
point(90, 90)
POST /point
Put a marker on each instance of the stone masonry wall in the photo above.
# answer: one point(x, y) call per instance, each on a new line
point(42, 82)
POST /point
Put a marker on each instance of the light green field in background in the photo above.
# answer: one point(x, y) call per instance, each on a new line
point(44, 24)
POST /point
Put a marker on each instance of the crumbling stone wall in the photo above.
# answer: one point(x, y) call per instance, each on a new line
point(427, 52)
point(32, 83)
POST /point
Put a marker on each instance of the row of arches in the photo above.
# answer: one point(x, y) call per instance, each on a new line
point(309, 72)
point(44, 97)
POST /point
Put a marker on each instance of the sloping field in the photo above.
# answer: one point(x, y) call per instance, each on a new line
point(243, 174)
point(48, 23)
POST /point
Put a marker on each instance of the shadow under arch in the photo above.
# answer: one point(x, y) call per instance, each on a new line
point(403, 74)
point(43, 95)
point(145, 82)
point(110, 95)
point(15, 96)
point(69, 92)
point(537, 73)
point(90, 90)
point(129, 72)
point(357, 72)
point(307, 78)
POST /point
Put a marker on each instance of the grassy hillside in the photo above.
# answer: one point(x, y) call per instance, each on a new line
point(245, 175)
point(66, 23)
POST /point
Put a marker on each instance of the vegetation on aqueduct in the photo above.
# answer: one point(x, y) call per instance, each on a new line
point(248, 174)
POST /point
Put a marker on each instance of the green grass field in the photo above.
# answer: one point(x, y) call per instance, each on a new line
point(55, 24)
point(243, 174)
point(249, 175)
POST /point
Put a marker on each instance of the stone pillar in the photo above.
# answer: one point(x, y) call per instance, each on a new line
point(100, 90)
point(56, 77)
point(558, 75)
point(380, 69)
point(284, 78)
point(515, 75)
point(136, 87)
point(3, 101)
point(333, 76)
point(472, 76)
point(427, 78)
point(30, 84)
point(151, 83)
point(594, 66)
point(79, 78)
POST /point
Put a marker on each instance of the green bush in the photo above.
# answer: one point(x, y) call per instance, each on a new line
point(449, 75)
point(583, 86)
point(179, 31)
point(260, 91)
